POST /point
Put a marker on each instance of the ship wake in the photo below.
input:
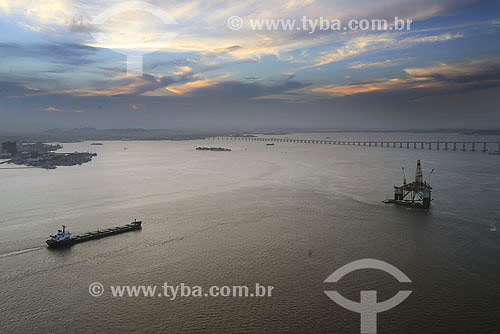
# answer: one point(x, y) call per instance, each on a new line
point(20, 252)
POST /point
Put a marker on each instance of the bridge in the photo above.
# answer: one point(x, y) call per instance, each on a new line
point(471, 146)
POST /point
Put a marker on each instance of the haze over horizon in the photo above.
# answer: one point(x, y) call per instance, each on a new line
point(443, 73)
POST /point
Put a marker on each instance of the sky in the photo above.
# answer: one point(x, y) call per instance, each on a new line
point(183, 65)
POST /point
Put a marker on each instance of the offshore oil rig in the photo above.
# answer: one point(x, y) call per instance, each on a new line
point(417, 194)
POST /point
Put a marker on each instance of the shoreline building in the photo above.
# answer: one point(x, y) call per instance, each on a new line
point(9, 147)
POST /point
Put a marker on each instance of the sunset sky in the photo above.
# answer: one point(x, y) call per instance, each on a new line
point(63, 68)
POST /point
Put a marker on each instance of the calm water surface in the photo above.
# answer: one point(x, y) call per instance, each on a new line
point(286, 216)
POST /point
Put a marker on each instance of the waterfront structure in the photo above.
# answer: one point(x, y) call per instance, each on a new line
point(9, 147)
point(486, 146)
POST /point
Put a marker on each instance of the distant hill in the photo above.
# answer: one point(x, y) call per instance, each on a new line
point(91, 134)
point(471, 132)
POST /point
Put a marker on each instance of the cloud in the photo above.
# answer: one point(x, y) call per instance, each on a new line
point(226, 50)
point(230, 90)
point(61, 110)
point(118, 86)
point(467, 75)
point(194, 85)
point(361, 66)
point(294, 4)
point(16, 89)
point(367, 87)
point(470, 69)
point(184, 82)
point(53, 13)
point(183, 70)
point(71, 54)
point(203, 27)
point(367, 43)
point(52, 109)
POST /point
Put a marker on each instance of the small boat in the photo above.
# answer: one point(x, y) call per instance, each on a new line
point(493, 228)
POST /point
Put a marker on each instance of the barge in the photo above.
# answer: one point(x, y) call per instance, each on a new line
point(64, 238)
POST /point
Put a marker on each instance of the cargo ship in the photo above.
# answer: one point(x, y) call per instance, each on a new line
point(64, 238)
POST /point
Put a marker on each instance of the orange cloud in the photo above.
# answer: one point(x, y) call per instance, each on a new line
point(78, 111)
point(194, 85)
point(377, 85)
point(183, 70)
point(121, 85)
point(360, 66)
point(460, 70)
point(52, 109)
point(472, 73)
point(363, 44)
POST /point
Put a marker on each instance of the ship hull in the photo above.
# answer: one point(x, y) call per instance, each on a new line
point(59, 244)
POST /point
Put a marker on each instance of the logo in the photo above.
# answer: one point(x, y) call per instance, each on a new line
point(96, 289)
point(368, 306)
point(235, 23)
point(133, 45)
